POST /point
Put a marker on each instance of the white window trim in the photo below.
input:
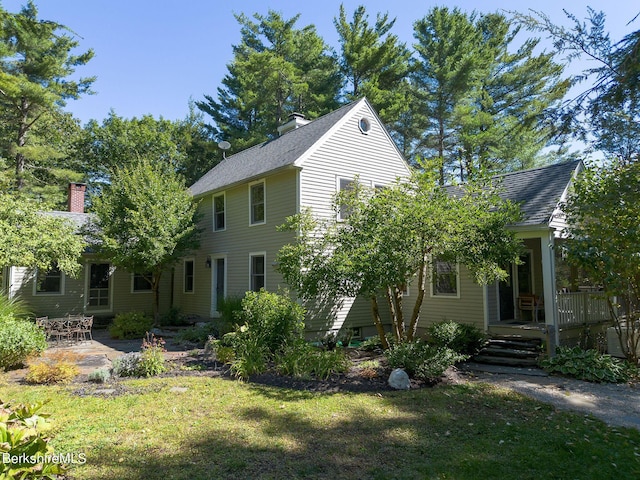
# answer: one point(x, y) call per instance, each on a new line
point(184, 275)
point(446, 295)
point(214, 300)
point(338, 190)
point(264, 201)
point(139, 292)
point(257, 254)
point(87, 269)
point(48, 294)
point(213, 209)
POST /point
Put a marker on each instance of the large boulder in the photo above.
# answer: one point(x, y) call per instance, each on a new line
point(399, 380)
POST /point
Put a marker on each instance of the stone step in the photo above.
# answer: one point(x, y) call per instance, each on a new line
point(511, 344)
point(502, 351)
point(510, 361)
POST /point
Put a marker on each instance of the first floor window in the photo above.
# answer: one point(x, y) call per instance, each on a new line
point(445, 278)
point(188, 276)
point(142, 282)
point(49, 281)
point(257, 272)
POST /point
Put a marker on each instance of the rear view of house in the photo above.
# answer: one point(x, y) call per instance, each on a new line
point(248, 195)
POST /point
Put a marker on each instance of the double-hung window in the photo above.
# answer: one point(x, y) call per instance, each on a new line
point(445, 278)
point(344, 185)
point(257, 203)
point(49, 282)
point(141, 282)
point(219, 212)
point(258, 271)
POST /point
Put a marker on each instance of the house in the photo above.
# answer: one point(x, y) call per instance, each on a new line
point(100, 289)
point(248, 195)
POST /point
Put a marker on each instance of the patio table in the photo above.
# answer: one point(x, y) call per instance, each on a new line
point(72, 328)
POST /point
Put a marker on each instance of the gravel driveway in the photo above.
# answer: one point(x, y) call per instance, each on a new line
point(615, 404)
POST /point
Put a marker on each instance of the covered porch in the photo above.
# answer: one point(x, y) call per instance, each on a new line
point(544, 298)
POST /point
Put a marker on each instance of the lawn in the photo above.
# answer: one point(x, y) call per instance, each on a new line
point(220, 428)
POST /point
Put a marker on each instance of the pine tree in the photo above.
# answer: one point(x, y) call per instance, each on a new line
point(373, 62)
point(277, 69)
point(36, 63)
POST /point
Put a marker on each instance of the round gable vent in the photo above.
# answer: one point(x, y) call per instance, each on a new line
point(364, 124)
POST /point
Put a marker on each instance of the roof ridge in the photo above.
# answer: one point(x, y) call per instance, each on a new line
point(541, 167)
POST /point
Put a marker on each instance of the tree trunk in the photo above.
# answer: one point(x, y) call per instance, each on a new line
point(394, 313)
point(156, 298)
point(415, 315)
point(378, 322)
point(21, 141)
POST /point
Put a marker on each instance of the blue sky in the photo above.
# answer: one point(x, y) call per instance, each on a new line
point(152, 56)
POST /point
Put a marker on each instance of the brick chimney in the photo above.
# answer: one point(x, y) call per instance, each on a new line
point(76, 197)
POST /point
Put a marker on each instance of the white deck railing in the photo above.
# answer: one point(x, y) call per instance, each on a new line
point(578, 308)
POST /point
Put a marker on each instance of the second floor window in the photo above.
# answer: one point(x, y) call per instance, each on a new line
point(219, 219)
point(256, 203)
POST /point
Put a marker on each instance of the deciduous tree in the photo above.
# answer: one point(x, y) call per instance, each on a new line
point(29, 237)
point(145, 220)
point(391, 237)
point(604, 240)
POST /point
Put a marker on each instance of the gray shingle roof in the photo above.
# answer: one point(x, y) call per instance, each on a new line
point(538, 190)
point(269, 156)
point(78, 219)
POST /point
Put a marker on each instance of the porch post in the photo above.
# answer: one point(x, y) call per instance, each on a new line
point(549, 287)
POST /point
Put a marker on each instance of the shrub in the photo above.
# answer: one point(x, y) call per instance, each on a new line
point(223, 354)
point(152, 360)
point(131, 325)
point(59, 367)
point(173, 317)
point(372, 343)
point(273, 317)
point(127, 365)
point(461, 337)
point(101, 375)
point(21, 433)
point(198, 334)
point(589, 365)
point(19, 339)
point(421, 360)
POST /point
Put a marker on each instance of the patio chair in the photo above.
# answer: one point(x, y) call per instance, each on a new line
point(83, 328)
point(531, 303)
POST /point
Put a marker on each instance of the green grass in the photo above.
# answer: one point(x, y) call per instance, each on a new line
point(223, 429)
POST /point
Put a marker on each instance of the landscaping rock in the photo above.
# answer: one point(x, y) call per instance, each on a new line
point(178, 389)
point(399, 380)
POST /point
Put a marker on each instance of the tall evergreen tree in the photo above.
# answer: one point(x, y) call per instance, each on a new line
point(484, 105)
point(277, 69)
point(36, 63)
point(373, 62)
